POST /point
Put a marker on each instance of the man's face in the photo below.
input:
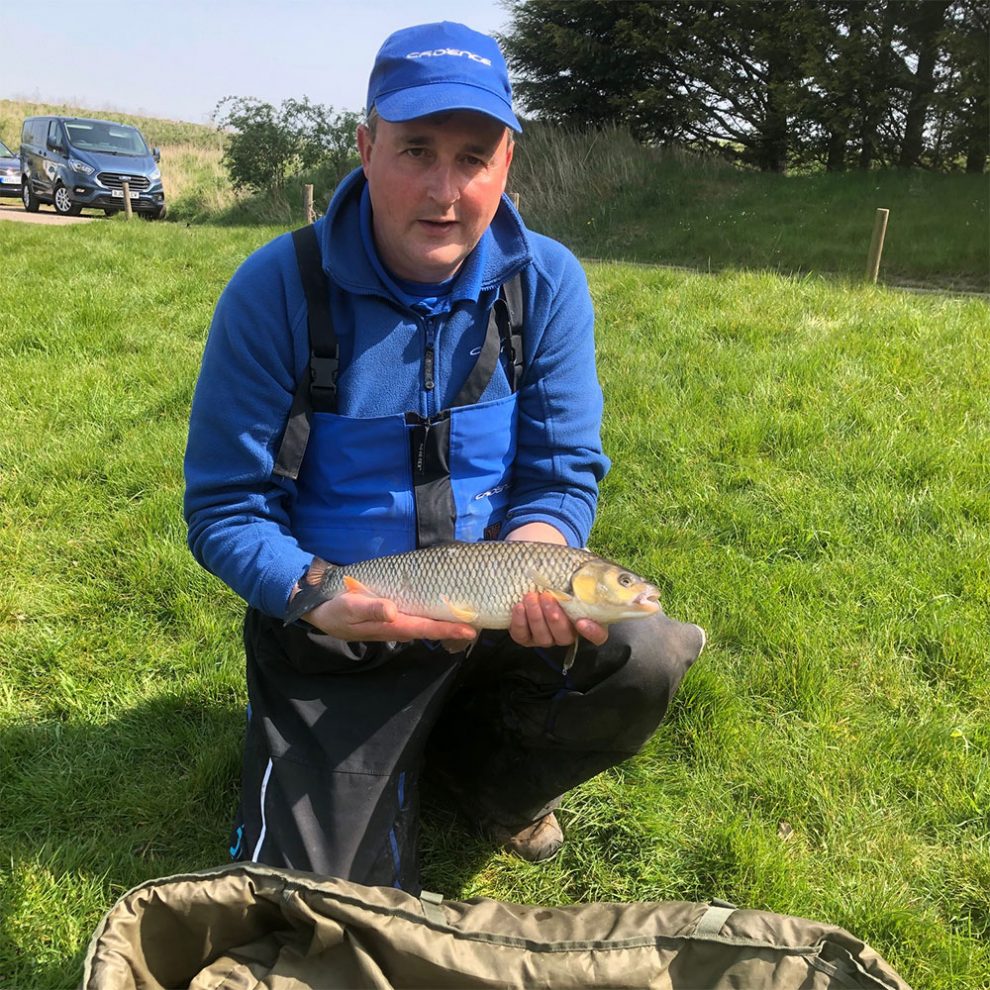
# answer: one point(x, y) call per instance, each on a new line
point(435, 184)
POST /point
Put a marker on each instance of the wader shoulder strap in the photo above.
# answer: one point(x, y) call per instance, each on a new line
point(316, 391)
point(514, 305)
point(504, 331)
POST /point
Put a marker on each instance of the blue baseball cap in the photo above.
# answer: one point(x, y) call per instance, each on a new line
point(432, 68)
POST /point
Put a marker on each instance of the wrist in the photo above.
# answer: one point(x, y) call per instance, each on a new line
point(537, 532)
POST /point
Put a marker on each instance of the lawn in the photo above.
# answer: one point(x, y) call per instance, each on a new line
point(800, 463)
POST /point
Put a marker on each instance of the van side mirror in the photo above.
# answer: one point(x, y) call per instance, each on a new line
point(156, 154)
point(53, 145)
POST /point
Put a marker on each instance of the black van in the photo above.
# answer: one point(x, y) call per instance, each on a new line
point(75, 163)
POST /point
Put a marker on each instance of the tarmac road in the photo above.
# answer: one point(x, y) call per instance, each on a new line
point(12, 210)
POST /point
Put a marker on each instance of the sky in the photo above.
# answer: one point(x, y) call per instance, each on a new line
point(178, 58)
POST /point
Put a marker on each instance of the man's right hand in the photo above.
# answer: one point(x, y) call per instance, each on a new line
point(355, 616)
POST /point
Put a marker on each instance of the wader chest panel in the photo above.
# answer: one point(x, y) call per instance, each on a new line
point(318, 391)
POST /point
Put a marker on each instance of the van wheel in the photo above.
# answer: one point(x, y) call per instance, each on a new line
point(63, 203)
point(110, 213)
point(28, 197)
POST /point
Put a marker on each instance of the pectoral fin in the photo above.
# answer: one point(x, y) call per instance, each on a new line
point(461, 610)
point(317, 572)
point(353, 584)
point(543, 584)
point(569, 657)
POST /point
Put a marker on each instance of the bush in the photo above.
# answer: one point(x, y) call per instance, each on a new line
point(267, 145)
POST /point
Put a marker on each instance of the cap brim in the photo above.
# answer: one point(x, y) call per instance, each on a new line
point(422, 101)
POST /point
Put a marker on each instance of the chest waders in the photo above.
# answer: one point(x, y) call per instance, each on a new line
point(386, 484)
point(338, 732)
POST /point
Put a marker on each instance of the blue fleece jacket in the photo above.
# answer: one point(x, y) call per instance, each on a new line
point(238, 513)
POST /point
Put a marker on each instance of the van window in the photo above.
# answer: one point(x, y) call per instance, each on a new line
point(34, 131)
point(54, 133)
point(114, 139)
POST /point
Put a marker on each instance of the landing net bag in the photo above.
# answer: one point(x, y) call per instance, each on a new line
point(244, 925)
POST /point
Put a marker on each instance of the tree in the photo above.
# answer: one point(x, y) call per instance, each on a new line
point(848, 76)
point(591, 63)
point(722, 75)
point(744, 69)
point(964, 100)
point(772, 83)
point(266, 145)
point(923, 21)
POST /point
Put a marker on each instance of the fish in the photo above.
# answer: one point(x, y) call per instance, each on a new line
point(479, 583)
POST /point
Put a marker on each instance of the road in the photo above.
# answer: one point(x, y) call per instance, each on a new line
point(12, 210)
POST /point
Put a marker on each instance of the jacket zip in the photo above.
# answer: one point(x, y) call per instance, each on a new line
point(429, 365)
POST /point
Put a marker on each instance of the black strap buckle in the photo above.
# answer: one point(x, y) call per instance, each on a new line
point(323, 372)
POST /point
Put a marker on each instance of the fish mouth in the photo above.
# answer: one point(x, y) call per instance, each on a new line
point(647, 601)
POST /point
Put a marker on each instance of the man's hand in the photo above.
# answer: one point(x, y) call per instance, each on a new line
point(539, 620)
point(355, 616)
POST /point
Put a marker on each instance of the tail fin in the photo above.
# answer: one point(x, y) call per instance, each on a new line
point(311, 591)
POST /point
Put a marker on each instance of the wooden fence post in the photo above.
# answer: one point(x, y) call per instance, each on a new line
point(126, 186)
point(876, 245)
point(308, 202)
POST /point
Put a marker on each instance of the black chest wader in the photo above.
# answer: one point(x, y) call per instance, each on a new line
point(339, 733)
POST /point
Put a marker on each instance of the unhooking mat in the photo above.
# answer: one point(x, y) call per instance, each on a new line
point(246, 926)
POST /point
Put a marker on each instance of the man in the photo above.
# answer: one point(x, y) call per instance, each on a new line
point(421, 369)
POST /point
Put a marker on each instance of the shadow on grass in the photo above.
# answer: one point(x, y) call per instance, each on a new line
point(452, 852)
point(92, 810)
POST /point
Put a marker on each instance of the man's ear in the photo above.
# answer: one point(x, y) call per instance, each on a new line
point(365, 144)
point(510, 147)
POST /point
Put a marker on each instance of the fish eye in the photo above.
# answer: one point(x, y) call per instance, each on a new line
point(625, 579)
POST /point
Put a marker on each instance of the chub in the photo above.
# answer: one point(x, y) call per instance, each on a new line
point(479, 583)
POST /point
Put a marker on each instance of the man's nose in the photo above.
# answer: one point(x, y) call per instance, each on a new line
point(443, 186)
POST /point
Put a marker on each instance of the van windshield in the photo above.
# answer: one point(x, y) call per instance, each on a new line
point(108, 139)
point(5, 152)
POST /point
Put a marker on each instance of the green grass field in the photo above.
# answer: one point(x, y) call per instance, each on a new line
point(801, 464)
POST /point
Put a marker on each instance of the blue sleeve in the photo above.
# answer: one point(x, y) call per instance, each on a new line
point(559, 459)
point(235, 509)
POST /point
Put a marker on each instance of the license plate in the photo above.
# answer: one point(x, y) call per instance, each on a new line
point(119, 193)
point(10, 179)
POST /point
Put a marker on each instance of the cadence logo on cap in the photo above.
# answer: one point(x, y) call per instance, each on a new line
point(451, 51)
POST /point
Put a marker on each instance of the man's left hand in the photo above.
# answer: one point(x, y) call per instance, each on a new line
point(540, 621)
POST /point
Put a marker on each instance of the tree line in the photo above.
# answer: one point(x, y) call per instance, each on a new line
point(774, 84)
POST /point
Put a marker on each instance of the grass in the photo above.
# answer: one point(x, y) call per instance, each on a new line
point(800, 463)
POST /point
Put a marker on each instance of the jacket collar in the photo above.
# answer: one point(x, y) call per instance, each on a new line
point(502, 251)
